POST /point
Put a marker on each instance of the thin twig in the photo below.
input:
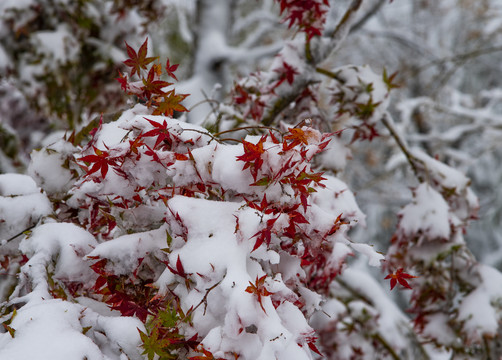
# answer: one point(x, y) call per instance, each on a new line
point(330, 74)
point(360, 23)
point(249, 128)
point(204, 133)
point(203, 301)
point(462, 57)
point(344, 24)
point(412, 160)
point(19, 234)
point(206, 100)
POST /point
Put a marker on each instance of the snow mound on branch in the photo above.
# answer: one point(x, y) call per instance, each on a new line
point(46, 167)
point(477, 310)
point(426, 215)
point(65, 242)
point(212, 255)
point(21, 204)
point(61, 330)
point(16, 184)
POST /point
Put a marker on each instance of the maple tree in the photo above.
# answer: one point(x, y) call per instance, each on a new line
point(163, 239)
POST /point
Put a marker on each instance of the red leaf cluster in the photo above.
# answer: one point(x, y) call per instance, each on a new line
point(150, 89)
point(308, 15)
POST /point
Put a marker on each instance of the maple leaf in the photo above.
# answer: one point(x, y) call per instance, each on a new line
point(310, 340)
point(160, 130)
point(121, 302)
point(264, 235)
point(180, 270)
point(287, 72)
point(153, 345)
point(151, 85)
point(399, 277)
point(259, 289)
point(124, 84)
point(338, 223)
point(101, 160)
point(299, 136)
point(252, 156)
point(242, 96)
point(169, 103)
point(388, 80)
point(207, 355)
point(263, 206)
point(138, 61)
point(154, 155)
point(134, 145)
point(170, 69)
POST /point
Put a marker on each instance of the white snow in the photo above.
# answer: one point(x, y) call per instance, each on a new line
point(21, 204)
point(59, 46)
point(16, 184)
point(427, 214)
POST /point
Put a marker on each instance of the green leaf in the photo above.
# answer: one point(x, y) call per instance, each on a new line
point(169, 239)
point(169, 318)
point(262, 182)
point(9, 329)
point(152, 345)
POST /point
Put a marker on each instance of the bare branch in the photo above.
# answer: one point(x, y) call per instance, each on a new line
point(364, 19)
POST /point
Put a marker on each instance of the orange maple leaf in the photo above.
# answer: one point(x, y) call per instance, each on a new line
point(170, 103)
point(259, 289)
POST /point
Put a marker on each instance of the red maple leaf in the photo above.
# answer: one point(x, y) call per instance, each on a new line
point(399, 277)
point(252, 156)
point(121, 302)
point(310, 340)
point(170, 69)
point(264, 235)
point(138, 61)
point(160, 130)
point(263, 206)
point(338, 223)
point(152, 85)
point(241, 95)
point(287, 72)
point(101, 160)
point(124, 84)
point(207, 355)
point(259, 289)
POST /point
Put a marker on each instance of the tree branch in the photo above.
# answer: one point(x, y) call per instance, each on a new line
point(364, 19)
point(412, 160)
